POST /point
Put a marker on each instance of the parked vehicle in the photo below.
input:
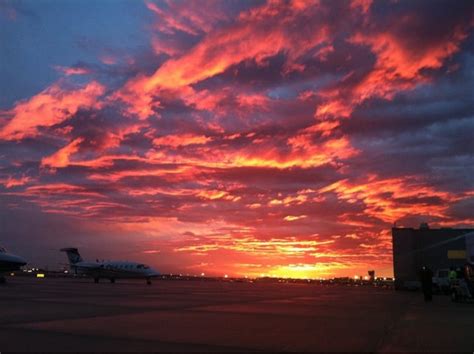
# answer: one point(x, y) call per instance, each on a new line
point(441, 283)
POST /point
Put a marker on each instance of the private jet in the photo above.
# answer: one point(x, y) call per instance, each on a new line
point(108, 269)
point(9, 263)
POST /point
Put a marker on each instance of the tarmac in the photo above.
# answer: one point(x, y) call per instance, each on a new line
point(47, 315)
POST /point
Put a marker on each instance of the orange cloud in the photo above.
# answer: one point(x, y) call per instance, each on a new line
point(335, 108)
point(305, 154)
point(294, 217)
point(213, 194)
point(247, 39)
point(383, 198)
point(61, 157)
point(253, 100)
point(68, 71)
point(173, 174)
point(50, 107)
point(169, 23)
point(181, 140)
point(61, 189)
point(290, 246)
point(191, 17)
point(397, 68)
point(11, 182)
point(108, 59)
point(400, 68)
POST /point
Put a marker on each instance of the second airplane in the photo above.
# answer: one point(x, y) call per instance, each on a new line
point(108, 269)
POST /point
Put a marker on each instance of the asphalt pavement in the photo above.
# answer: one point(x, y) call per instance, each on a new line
point(177, 315)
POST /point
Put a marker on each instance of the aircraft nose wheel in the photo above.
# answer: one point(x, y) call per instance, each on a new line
point(148, 281)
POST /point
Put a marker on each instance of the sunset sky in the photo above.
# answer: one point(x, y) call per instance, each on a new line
point(234, 137)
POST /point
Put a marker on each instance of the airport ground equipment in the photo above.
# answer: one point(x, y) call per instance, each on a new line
point(462, 289)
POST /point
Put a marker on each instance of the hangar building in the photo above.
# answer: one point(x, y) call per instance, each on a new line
point(435, 248)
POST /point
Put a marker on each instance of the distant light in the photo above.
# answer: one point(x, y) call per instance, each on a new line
point(246, 277)
point(226, 276)
point(356, 277)
point(12, 274)
point(40, 275)
point(66, 271)
point(202, 274)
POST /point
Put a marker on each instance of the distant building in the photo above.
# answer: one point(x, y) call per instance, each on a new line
point(435, 248)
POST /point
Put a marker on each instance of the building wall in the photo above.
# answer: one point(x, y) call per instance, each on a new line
point(414, 248)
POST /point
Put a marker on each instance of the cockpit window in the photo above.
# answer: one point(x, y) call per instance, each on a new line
point(142, 266)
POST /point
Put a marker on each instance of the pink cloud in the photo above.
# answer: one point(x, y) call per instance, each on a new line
point(48, 108)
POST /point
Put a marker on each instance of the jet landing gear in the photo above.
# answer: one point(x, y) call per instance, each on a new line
point(148, 281)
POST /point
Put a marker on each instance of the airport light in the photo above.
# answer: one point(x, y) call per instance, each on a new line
point(226, 276)
point(356, 277)
point(202, 274)
point(40, 275)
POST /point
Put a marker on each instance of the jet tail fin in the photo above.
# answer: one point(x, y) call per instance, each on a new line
point(72, 254)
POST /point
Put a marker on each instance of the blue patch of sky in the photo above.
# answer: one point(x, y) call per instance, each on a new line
point(48, 33)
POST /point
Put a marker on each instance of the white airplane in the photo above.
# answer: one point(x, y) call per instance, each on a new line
point(109, 269)
point(9, 263)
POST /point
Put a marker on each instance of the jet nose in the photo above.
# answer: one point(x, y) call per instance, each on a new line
point(19, 261)
point(153, 273)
